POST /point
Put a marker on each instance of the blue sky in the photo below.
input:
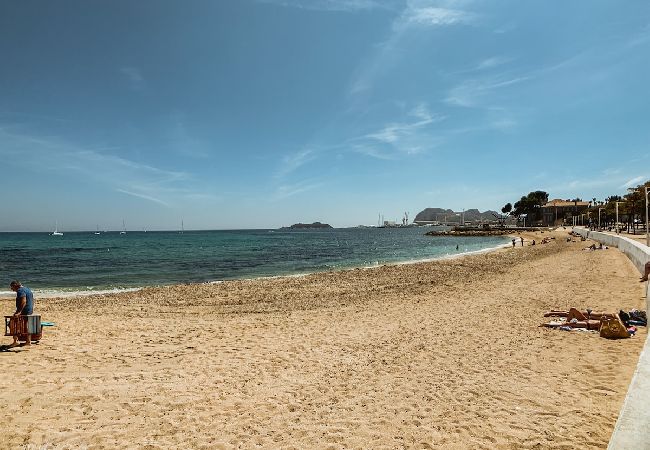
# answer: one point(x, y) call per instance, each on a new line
point(263, 113)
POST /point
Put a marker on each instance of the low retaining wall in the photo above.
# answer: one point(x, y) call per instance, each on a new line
point(632, 430)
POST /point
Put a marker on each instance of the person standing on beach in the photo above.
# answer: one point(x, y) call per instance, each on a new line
point(513, 242)
point(646, 272)
point(24, 304)
point(522, 241)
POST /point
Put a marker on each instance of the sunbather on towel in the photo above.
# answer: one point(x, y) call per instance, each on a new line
point(574, 313)
point(574, 323)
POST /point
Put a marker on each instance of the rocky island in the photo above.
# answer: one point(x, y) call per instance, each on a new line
point(308, 226)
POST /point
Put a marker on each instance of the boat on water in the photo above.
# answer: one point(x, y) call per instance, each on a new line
point(123, 227)
point(56, 231)
point(97, 232)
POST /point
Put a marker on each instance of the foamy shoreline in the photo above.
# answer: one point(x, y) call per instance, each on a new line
point(53, 293)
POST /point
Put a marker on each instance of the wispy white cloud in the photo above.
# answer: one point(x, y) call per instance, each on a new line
point(143, 196)
point(405, 138)
point(503, 124)
point(640, 38)
point(413, 18)
point(395, 133)
point(506, 28)
point(134, 77)
point(434, 16)
point(289, 190)
point(634, 181)
point(51, 154)
point(612, 171)
point(373, 151)
point(184, 143)
point(583, 187)
point(470, 93)
point(292, 162)
point(492, 62)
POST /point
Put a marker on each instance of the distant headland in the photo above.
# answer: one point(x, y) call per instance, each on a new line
point(301, 226)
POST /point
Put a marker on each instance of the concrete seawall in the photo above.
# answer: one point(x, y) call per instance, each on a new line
point(632, 430)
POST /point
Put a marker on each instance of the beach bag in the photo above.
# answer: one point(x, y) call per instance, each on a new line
point(613, 328)
point(639, 316)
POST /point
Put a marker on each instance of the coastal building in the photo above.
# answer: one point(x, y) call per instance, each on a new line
point(558, 211)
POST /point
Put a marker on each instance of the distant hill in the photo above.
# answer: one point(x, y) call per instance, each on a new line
point(440, 215)
point(300, 226)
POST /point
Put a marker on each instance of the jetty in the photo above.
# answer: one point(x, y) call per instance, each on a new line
point(480, 231)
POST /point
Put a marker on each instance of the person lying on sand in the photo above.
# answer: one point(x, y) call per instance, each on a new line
point(593, 247)
point(574, 323)
point(574, 313)
point(575, 319)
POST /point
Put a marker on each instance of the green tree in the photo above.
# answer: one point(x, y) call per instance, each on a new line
point(531, 205)
point(635, 203)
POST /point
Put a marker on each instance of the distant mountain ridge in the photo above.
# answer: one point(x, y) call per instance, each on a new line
point(440, 215)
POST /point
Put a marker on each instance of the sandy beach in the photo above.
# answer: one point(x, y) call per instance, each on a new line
point(444, 354)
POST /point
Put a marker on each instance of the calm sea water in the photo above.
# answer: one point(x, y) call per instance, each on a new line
point(88, 262)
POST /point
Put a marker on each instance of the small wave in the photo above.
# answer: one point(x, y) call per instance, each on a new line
point(50, 293)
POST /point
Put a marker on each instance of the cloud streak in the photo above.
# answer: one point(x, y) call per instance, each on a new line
point(415, 17)
point(433, 16)
point(134, 76)
point(50, 154)
point(143, 196)
point(469, 94)
point(634, 182)
point(292, 162)
point(290, 190)
point(401, 138)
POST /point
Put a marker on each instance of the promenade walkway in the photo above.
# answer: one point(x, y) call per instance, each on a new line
point(631, 430)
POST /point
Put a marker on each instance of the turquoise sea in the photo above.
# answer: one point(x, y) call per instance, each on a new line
point(84, 261)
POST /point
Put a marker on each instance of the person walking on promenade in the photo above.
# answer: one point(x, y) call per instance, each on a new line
point(24, 305)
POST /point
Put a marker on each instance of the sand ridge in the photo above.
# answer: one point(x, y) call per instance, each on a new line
point(443, 354)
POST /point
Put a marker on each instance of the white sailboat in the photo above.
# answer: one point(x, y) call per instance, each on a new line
point(182, 228)
point(97, 232)
point(123, 227)
point(56, 231)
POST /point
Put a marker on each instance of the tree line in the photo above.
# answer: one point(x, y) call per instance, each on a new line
point(631, 208)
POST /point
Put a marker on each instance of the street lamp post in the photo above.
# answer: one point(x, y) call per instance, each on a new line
point(618, 229)
point(599, 209)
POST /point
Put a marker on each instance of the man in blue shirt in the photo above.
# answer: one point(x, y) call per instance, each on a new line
point(24, 304)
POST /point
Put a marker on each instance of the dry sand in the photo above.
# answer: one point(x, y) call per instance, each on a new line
point(444, 354)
